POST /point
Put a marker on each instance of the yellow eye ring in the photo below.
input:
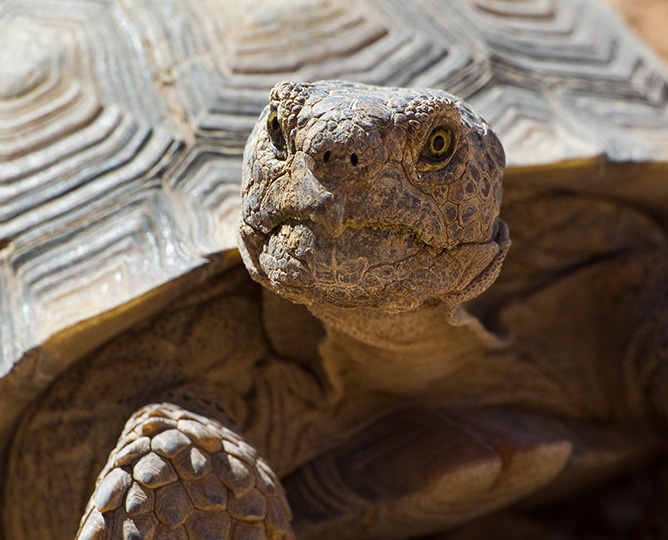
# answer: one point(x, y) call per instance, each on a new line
point(438, 144)
point(276, 133)
point(272, 122)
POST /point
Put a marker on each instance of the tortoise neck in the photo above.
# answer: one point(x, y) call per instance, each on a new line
point(388, 331)
point(398, 353)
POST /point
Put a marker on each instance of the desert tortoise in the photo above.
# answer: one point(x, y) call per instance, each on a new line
point(399, 411)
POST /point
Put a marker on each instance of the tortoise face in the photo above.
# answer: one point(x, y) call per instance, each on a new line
point(363, 196)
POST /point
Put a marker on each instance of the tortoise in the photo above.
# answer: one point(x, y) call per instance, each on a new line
point(392, 379)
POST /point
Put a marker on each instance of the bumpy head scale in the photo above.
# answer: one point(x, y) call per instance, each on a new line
point(362, 196)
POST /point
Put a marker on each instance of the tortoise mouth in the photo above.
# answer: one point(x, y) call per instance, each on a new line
point(373, 266)
point(354, 264)
point(336, 230)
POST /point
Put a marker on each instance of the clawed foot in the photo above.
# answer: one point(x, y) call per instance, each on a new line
point(178, 475)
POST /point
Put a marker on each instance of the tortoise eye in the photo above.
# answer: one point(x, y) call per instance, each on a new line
point(438, 144)
point(276, 133)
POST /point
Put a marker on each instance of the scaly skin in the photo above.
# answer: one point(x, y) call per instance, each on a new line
point(346, 170)
point(407, 415)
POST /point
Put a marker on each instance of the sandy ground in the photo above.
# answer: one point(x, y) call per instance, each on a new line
point(649, 18)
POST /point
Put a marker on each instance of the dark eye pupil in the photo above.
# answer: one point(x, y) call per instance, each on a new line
point(276, 135)
point(438, 143)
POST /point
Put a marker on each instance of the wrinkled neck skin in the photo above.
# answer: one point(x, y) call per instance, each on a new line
point(406, 332)
point(399, 353)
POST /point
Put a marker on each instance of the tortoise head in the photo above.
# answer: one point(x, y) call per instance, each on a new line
point(363, 196)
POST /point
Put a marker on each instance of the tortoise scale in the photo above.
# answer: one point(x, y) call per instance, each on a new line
point(401, 368)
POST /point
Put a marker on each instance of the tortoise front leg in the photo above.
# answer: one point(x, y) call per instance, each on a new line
point(424, 470)
point(179, 475)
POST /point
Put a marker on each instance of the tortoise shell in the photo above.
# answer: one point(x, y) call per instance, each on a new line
point(122, 125)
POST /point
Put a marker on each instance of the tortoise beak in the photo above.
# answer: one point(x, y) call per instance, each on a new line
point(300, 196)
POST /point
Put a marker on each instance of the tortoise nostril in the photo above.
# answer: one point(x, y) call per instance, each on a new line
point(326, 155)
point(353, 160)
